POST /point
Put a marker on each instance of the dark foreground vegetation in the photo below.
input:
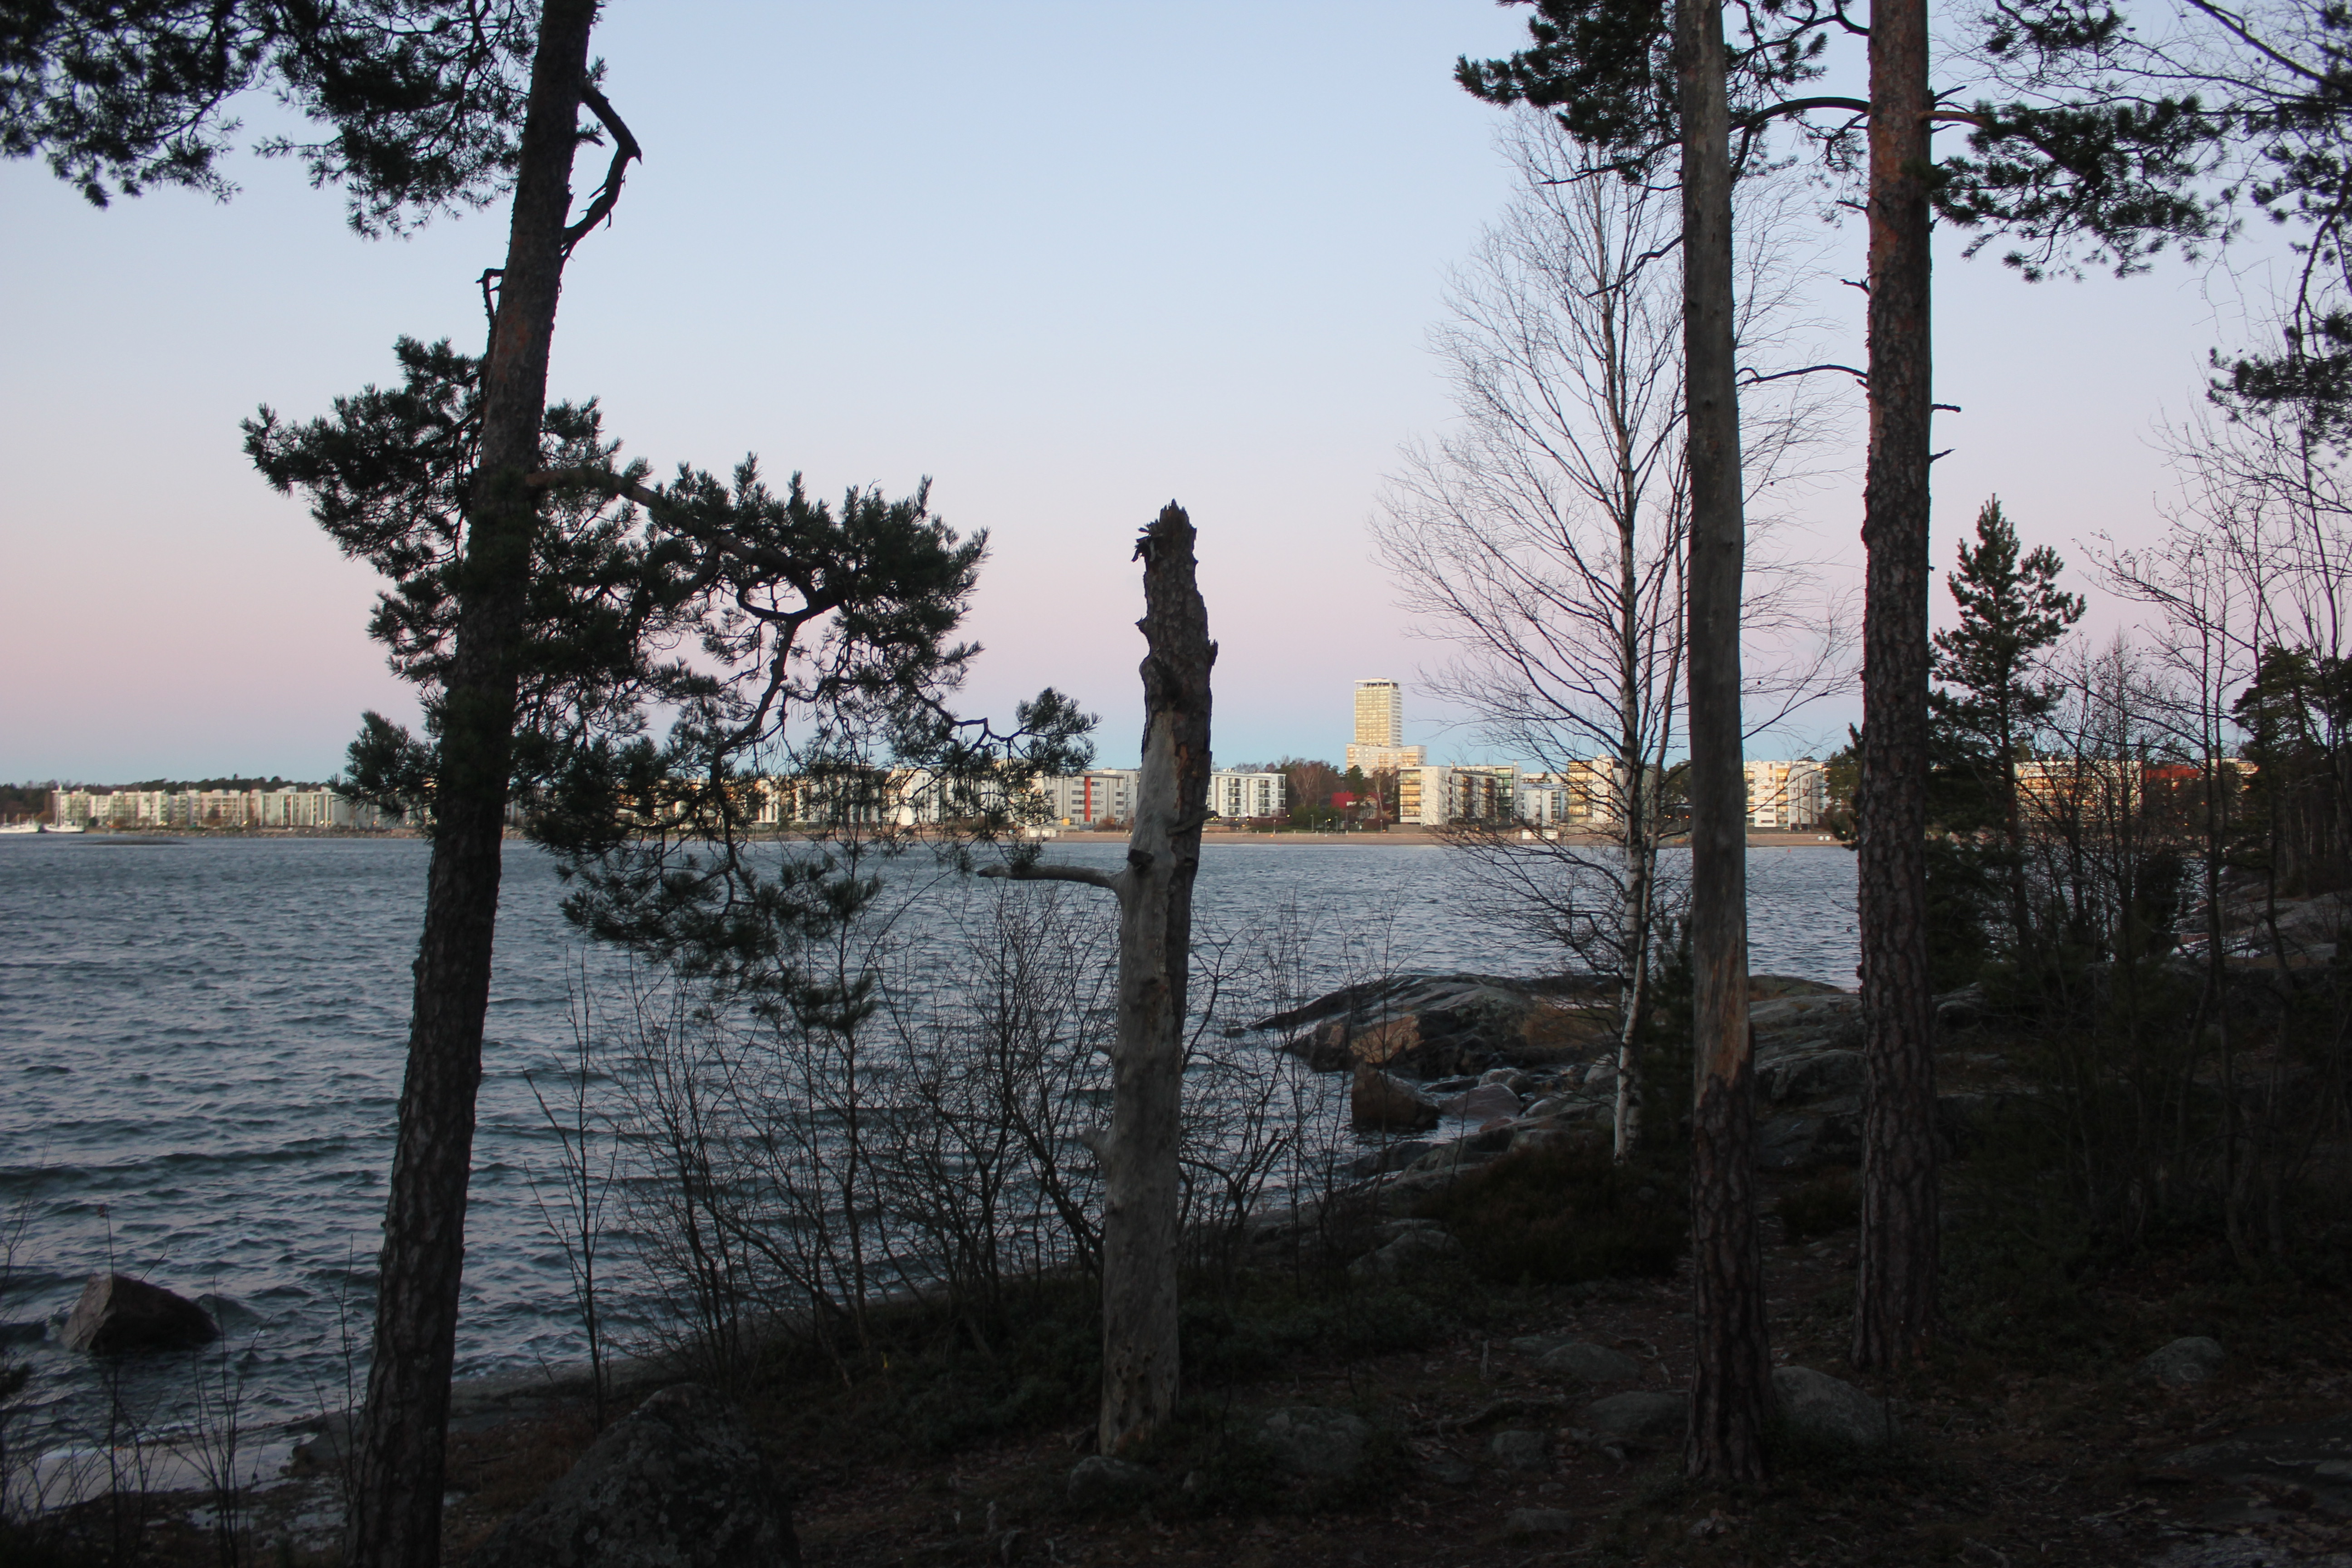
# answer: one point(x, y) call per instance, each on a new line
point(2114, 1183)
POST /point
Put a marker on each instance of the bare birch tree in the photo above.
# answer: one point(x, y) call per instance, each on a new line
point(1545, 540)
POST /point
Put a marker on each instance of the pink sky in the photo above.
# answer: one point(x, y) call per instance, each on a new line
point(1069, 260)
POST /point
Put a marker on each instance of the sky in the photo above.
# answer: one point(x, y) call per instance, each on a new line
point(1069, 261)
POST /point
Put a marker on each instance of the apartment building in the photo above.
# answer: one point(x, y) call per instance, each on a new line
point(227, 808)
point(1080, 800)
point(1441, 796)
point(1791, 794)
point(1240, 794)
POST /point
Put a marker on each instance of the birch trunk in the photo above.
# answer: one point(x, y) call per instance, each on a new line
point(396, 1501)
point(1729, 1389)
point(1894, 1286)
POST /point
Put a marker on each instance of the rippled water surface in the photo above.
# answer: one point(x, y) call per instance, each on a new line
point(201, 1045)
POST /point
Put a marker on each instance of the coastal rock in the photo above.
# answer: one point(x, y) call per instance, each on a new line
point(677, 1483)
point(1101, 1481)
point(1483, 1103)
point(1649, 1420)
point(1817, 1408)
point(2194, 1359)
point(1587, 1363)
point(1519, 1449)
point(1380, 1101)
point(1393, 1156)
point(1322, 1444)
point(118, 1314)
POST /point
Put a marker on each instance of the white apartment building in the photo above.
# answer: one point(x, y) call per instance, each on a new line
point(1104, 794)
point(1440, 796)
point(1239, 794)
point(1792, 794)
point(276, 808)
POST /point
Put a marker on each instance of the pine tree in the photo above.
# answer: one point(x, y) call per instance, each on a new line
point(2011, 612)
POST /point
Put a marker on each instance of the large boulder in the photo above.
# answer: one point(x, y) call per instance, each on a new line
point(1381, 1101)
point(675, 1483)
point(1817, 1409)
point(1323, 1444)
point(2195, 1359)
point(118, 1314)
point(1519, 1449)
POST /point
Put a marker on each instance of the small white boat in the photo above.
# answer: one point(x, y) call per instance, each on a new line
point(68, 827)
point(19, 827)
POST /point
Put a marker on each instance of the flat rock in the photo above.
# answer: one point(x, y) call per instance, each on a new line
point(1538, 1521)
point(118, 1314)
point(2316, 1455)
point(1101, 1481)
point(1817, 1408)
point(2193, 1359)
point(1587, 1362)
point(675, 1483)
point(1309, 1440)
point(1652, 1419)
point(1519, 1449)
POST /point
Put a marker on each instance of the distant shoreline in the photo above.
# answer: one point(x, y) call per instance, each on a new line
point(1758, 838)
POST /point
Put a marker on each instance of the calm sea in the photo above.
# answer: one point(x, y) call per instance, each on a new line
point(201, 1046)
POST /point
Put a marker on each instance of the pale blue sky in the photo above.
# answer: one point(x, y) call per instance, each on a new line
point(1068, 260)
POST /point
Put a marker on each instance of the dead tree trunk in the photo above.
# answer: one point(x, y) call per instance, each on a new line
point(1729, 1378)
point(396, 1504)
point(1894, 1287)
point(1139, 1149)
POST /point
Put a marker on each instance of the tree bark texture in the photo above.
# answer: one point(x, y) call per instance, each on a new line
point(1139, 1151)
point(396, 1504)
point(1895, 1293)
point(1731, 1389)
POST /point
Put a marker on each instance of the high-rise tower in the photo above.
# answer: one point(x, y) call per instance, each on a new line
point(1380, 713)
point(1380, 729)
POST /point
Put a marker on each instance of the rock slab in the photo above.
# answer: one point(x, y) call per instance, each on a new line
point(1324, 1444)
point(677, 1483)
point(2191, 1360)
point(118, 1314)
point(1817, 1408)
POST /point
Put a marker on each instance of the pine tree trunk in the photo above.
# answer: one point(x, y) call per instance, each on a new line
point(1730, 1390)
point(396, 1504)
point(1155, 942)
point(1895, 1292)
